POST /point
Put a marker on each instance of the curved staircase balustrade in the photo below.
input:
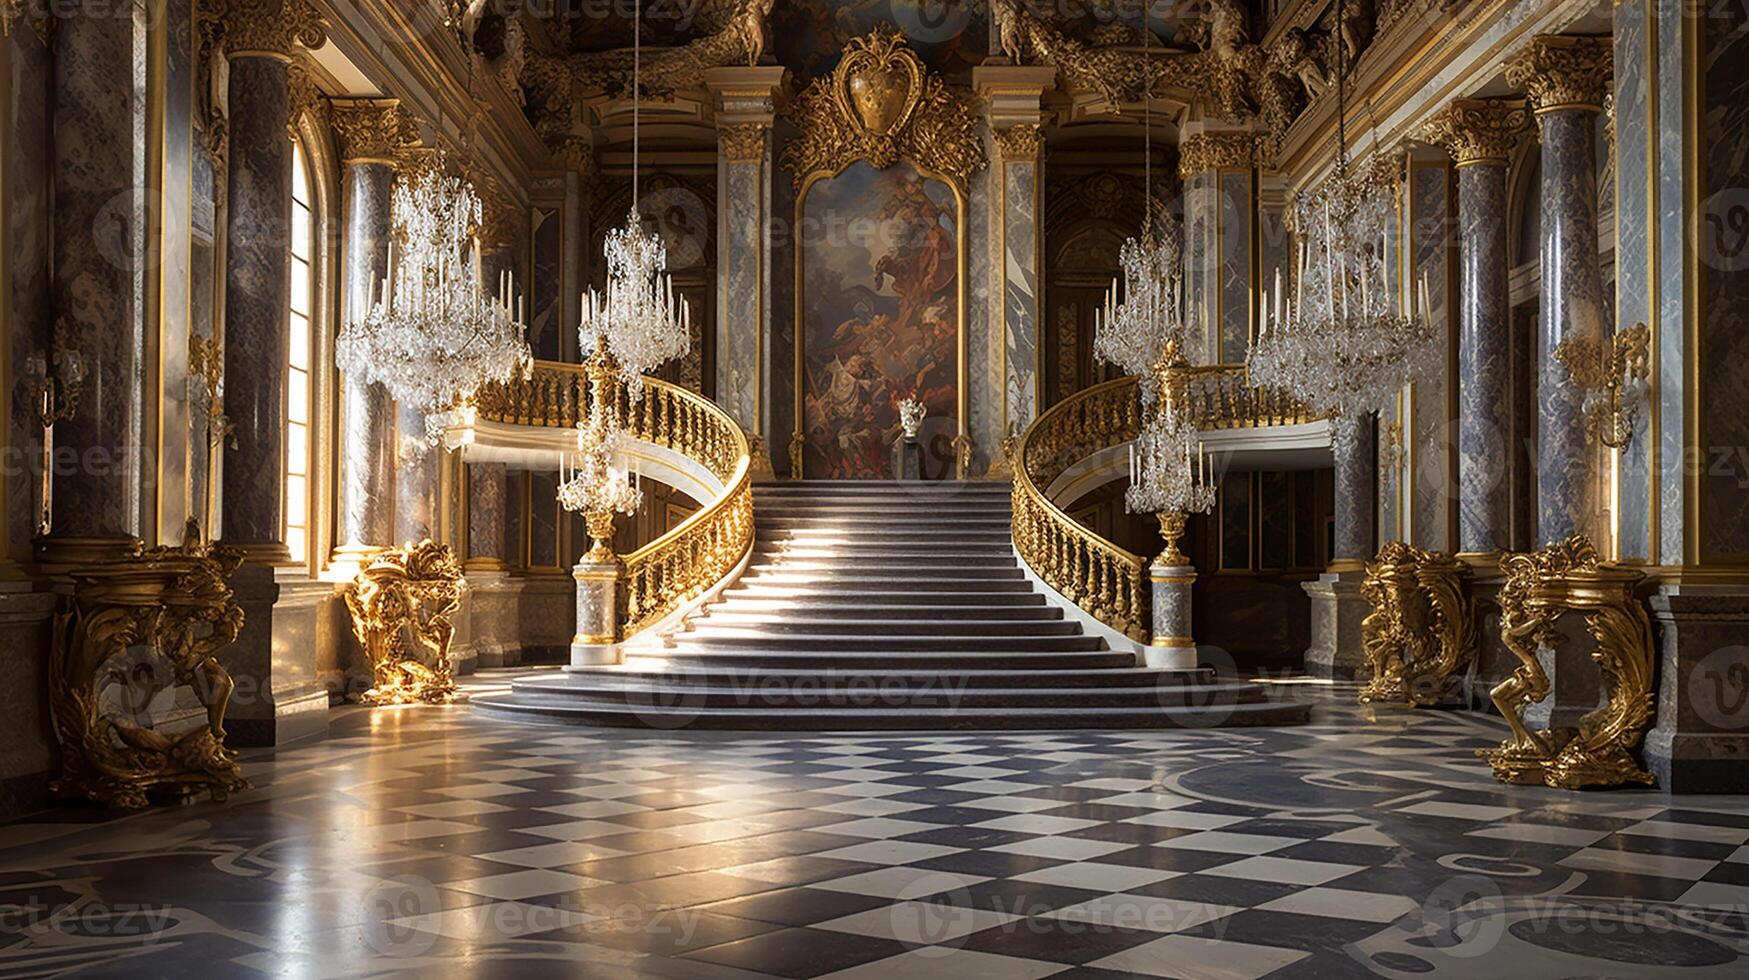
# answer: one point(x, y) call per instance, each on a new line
point(1106, 581)
point(689, 560)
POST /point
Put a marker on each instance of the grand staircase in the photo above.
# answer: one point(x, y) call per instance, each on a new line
point(886, 605)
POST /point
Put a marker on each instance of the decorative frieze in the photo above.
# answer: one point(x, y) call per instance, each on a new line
point(1203, 153)
point(1479, 131)
point(1560, 71)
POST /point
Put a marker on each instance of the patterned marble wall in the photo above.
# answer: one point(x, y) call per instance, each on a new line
point(1670, 238)
point(175, 259)
point(1633, 272)
point(27, 214)
point(546, 303)
point(982, 330)
point(1433, 435)
point(1021, 292)
point(1202, 262)
point(1236, 229)
point(741, 302)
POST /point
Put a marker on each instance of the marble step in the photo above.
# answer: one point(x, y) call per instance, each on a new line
point(844, 643)
point(727, 625)
point(790, 718)
point(638, 671)
point(731, 612)
point(790, 659)
point(947, 694)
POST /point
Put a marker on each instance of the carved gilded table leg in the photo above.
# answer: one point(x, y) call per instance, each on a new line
point(406, 596)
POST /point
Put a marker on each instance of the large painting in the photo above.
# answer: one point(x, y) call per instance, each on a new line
point(880, 273)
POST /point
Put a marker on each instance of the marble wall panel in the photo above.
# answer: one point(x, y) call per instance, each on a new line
point(1724, 285)
point(1236, 195)
point(1020, 302)
point(1433, 438)
point(28, 179)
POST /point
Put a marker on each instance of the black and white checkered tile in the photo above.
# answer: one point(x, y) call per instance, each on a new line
point(430, 841)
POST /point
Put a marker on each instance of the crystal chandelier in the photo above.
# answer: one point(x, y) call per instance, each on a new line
point(633, 326)
point(593, 484)
point(638, 319)
point(1339, 344)
point(434, 335)
point(1141, 330)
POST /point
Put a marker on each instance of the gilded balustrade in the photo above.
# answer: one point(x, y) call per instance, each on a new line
point(660, 577)
point(1106, 581)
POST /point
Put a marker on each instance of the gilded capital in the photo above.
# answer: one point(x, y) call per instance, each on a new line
point(1562, 71)
point(1208, 152)
point(1019, 144)
point(1479, 131)
point(372, 131)
point(266, 28)
point(743, 142)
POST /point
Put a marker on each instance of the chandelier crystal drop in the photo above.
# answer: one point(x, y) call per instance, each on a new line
point(433, 334)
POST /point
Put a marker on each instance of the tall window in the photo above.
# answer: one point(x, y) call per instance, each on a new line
point(297, 388)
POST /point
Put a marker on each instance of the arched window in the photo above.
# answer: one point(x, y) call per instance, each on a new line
point(297, 387)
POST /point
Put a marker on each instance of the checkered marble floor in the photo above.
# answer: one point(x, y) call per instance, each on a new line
point(430, 841)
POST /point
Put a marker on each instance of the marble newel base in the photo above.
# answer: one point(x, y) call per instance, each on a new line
point(279, 695)
point(1701, 741)
point(1173, 646)
point(596, 642)
point(1337, 611)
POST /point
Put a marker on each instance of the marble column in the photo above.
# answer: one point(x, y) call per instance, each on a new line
point(97, 229)
point(1481, 134)
point(417, 478)
point(1337, 605)
point(745, 107)
point(370, 135)
point(1012, 97)
point(257, 303)
point(1566, 79)
point(1218, 168)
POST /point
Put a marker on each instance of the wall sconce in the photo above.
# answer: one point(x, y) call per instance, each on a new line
point(54, 381)
point(206, 386)
point(1614, 379)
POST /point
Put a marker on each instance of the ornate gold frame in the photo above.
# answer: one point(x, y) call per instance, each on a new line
point(857, 114)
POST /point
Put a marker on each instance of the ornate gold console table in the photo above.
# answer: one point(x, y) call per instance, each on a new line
point(1422, 631)
point(132, 628)
point(1540, 588)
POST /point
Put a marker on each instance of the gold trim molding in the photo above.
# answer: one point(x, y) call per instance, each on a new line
point(1563, 71)
point(881, 105)
point(1479, 131)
